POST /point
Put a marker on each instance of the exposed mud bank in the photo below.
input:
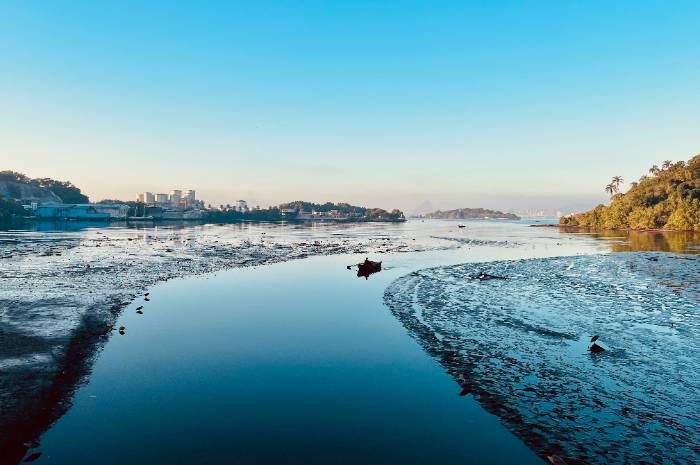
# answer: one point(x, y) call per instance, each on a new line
point(520, 347)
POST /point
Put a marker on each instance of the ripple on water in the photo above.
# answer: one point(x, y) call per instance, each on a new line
point(520, 347)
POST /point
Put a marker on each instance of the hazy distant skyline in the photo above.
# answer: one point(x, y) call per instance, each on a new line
point(490, 104)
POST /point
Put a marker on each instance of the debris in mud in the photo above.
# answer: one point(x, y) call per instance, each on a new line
point(485, 276)
point(596, 349)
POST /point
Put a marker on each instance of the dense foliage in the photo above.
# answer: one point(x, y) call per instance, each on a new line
point(256, 214)
point(472, 213)
point(63, 189)
point(325, 207)
point(667, 198)
point(276, 214)
point(10, 208)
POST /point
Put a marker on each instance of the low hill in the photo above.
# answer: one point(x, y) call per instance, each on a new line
point(472, 214)
point(18, 187)
point(667, 198)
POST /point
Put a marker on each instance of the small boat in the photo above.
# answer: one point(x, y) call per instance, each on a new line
point(367, 268)
point(461, 226)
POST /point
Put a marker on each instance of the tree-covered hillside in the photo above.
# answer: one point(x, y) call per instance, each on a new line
point(9, 208)
point(668, 197)
point(17, 186)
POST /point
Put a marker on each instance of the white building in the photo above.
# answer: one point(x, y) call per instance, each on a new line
point(175, 197)
point(190, 198)
point(161, 198)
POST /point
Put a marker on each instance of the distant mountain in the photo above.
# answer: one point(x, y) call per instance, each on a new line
point(472, 214)
point(425, 207)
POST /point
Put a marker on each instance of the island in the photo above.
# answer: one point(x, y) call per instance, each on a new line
point(471, 214)
point(667, 198)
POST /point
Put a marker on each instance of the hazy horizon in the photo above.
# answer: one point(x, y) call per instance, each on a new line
point(509, 106)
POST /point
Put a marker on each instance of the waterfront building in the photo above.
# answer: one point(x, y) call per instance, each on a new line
point(98, 211)
point(242, 206)
point(161, 198)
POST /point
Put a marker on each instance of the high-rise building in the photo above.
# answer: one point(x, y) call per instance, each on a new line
point(190, 198)
point(148, 197)
point(175, 197)
point(161, 198)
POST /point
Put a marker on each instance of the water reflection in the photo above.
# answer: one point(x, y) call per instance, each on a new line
point(644, 241)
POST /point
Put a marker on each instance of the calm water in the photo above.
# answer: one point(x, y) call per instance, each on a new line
point(296, 362)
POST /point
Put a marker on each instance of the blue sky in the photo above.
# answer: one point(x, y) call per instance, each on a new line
point(496, 104)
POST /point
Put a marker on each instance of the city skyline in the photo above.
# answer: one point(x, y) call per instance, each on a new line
point(508, 106)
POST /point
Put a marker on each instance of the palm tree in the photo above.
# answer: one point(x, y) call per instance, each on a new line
point(616, 182)
point(666, 164)
point(643, 178)
point(654, 170)
point(610, 189)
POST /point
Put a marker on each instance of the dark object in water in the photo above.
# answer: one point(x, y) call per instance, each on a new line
point(146, 299)
point(140, 312)
point(367, 268)
point(594, 338)
point(33, 457)
point(596, 349)
point(146, 294)
point(653, 259)
point(485, 276)
point(140, 307)
point(461, 226)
